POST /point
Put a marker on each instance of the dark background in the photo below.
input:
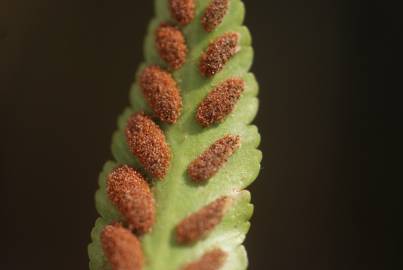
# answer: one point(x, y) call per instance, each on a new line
point(65, 71)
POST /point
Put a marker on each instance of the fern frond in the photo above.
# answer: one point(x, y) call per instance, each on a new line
point(217, 100)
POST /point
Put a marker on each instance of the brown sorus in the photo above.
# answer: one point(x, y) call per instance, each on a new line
point(211, 260)
point(214, 14)
point(211, 160)
point(130, 193)
point(147, 141)
point(220, 102)
point(162, 93)
point(200, 223)
point(171, 45)
point(218, 53)
point(183, 11)
point(122, 248)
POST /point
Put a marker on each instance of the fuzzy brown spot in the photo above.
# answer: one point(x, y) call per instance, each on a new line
point(199, 224)
point(183, 11)
point(220, 102)
point(122, 248)
point(214, 14)
point(218, 53)
point(211, 260)
point(147, 141)
point(162, 93)
point(130, 193)
point(171, 45)
point(211, 160)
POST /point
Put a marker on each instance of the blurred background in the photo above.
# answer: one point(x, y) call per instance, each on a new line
point(65, 71)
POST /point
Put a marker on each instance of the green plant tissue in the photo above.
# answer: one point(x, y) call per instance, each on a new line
point(176, 196)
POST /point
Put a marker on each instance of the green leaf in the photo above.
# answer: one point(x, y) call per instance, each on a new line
point(176, 196)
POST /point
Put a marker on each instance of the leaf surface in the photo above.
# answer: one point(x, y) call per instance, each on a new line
point(177, 196)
